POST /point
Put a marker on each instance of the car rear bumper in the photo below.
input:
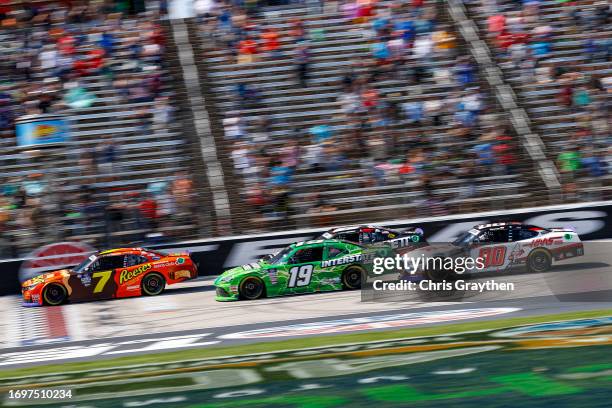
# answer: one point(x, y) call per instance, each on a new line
point(568, 251)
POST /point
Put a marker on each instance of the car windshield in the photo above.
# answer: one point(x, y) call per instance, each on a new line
point(466, 237)
point(83, 265)
point(277, 257)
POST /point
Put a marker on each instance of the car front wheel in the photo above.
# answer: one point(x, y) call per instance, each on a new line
point(55, 294)
point(251, 288)
point(153, 284)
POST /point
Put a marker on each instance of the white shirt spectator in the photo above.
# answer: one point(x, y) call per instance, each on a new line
point(349, 102)
point(472, 102)
point(233, 127)
point(48, 58)
point(442, 76)
point(203, 7)
point(422, 46)
point(240, 156)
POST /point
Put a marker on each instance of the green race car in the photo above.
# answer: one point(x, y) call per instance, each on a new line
point(303, 267)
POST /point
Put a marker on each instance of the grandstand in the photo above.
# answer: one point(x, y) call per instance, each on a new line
point(334, 119)
point(119, 147)
point(565, 94)
point(363, 187)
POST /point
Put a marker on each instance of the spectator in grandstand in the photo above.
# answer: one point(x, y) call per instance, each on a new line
point(6, 112)
point(163, 113)
point(297, 31)
point(271, 44)
point(302, 61)
point(182, 194)
point(106, 156)
point(445, 42)
point(581, 98)
point(280, 173)
point(464, 71)
point(148, 213)
point(205, 8)
point(413, 112)
point(423, 47)
point(595, 163)
point(320, 133)
point(247, 51)
point(248, 96)
point(496, 23)
point(569, 161)
point(261, 130)
point(322, 209)
point(233, 126)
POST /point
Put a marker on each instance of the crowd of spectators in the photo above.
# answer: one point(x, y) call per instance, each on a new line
point(528, 40)
point(453, 133)
point(50, 54)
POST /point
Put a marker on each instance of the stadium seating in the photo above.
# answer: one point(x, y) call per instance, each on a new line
point(147, 154)
point(350, 193)
point(564, 128)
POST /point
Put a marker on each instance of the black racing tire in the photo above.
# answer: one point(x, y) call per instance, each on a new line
point(251, 288)
point(539, 260)
point(54, 294)
point(152, 284)
point(352, 277)
point(439, 275)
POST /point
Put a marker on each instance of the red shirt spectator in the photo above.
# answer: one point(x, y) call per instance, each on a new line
point(565, 95)
point(96, 58)
point(270, 40)
point(497, 23)
point(505, 40)
point(66, 44)
point(148, 208)
point(369, 98)
point(504, 155)
point(247, 46)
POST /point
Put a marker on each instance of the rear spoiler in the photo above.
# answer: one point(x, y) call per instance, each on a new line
point(412, 230)
point(562, 229)
point(184, 253)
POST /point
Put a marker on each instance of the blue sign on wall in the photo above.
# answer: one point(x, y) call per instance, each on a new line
point(41, 130)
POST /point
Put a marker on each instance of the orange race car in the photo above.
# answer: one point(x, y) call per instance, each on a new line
point(116, 273)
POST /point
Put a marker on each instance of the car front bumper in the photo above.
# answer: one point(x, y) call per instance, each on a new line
point(30, 304)
point(226, 293)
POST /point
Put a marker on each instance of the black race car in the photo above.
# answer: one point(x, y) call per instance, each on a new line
point(370, 234)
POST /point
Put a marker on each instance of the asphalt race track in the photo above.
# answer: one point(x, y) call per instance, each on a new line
point(187, 316)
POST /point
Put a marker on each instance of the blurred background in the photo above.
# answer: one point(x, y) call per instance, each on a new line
point(158, 121)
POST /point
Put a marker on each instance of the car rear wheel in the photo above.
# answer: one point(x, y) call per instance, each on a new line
point(351, 277)
point(539, 260)
point(251, 288)
point(54, 294)
point(153, 284)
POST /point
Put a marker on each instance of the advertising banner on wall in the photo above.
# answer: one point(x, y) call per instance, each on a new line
point(40, 130)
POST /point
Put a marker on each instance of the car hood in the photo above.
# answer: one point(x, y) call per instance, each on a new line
point(239, 270)
point(47, 277)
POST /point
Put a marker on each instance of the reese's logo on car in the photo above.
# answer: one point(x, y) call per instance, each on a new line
point(126, 275)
